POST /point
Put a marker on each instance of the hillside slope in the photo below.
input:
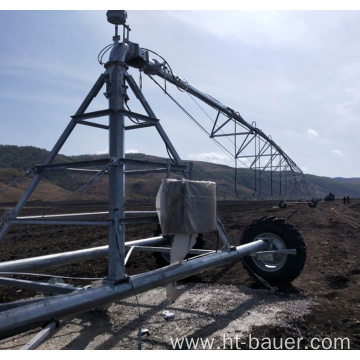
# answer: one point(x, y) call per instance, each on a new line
point(65, 185)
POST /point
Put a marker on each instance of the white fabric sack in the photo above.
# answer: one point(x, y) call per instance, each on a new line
point(186, 207)
point(180, 247)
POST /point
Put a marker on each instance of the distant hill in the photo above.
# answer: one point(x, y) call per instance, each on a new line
point(65, 185)
point(348, 180)
point(339, 186)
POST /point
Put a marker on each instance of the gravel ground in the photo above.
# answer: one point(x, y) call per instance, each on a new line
point(205, 316)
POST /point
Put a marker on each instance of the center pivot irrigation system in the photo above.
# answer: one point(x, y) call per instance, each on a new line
point(271, 248)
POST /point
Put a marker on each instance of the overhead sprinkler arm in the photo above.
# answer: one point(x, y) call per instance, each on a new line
point(267, 155)
point(153, 67)
point(133, 55)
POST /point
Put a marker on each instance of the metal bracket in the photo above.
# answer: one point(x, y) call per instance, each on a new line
point(269, 254)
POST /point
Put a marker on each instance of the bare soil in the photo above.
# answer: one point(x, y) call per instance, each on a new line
point(221, 304)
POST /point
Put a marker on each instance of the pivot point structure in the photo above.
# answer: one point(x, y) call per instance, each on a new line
point(272, 248)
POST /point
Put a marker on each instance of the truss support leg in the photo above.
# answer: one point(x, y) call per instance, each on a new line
point(116, 233)
point(40, 337)
point(93, 92)
point(134, 87)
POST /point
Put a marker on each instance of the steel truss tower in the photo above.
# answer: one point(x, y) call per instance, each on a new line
point(15, 318)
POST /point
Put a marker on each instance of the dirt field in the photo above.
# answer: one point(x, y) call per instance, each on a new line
point(322, 303)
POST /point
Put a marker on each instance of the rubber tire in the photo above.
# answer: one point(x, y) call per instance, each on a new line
point(290, 237)
point(282, 204)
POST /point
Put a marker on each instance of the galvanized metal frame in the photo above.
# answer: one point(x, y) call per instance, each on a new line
point(117, 284)
point(278, 161)
point(61, 141)
point(19, 319)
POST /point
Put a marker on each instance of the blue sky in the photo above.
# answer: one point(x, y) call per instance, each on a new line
point(295, 73)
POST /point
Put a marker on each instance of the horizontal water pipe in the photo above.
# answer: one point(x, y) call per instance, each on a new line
point(20, 319)
point(69, 257)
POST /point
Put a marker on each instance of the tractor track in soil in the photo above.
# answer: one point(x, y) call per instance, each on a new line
point(351, 222)
point(329, 282)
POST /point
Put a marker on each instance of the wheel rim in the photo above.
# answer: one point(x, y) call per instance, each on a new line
point(279, 260)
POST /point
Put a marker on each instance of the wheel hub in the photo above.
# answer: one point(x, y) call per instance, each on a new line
point(273, 262)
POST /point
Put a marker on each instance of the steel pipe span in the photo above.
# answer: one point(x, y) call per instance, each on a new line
point(17, 320)
point(58, 288)
point(69, 257)
point(153, 67)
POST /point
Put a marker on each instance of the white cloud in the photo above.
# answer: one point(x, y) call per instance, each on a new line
point(102, 152)
point(284, 85)
point(213, 157)
point(106, 151)
point(305, 169)
point(257, 28)
point(349, 90)
point(312, 132)
point(337, 153)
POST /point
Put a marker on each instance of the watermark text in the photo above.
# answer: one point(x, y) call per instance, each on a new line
point(266, 343)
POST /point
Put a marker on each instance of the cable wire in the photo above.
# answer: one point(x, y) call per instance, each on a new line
point(27, 173)
point(194, 120)
point(103, 52)
point(118, 239)
point(172, 74)
point(83, 187)
point(48, 275)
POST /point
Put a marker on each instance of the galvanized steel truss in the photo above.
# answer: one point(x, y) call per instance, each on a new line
point(18, 317)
